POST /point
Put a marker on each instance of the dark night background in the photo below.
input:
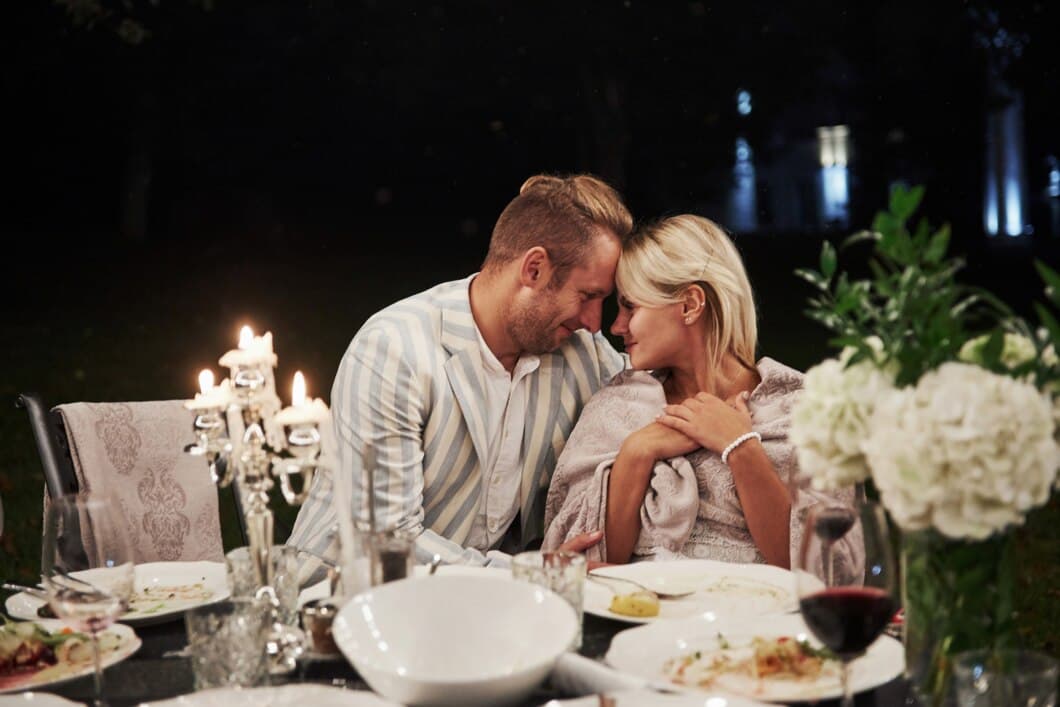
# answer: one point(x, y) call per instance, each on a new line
point(176, 168)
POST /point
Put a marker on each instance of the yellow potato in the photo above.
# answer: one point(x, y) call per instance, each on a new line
point(640, 604)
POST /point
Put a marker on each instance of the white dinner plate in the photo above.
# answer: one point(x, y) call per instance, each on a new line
point(724, 589)
point(36, 699)
point(651, 698)
point(298, 695)
point(201, 582)
point(645, 650)
point(127, 644)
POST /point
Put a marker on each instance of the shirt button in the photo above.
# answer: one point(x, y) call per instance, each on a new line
point(496, 480)
point(493, 526)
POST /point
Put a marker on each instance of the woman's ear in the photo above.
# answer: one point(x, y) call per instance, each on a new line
point(535, 269)
point(693, 303)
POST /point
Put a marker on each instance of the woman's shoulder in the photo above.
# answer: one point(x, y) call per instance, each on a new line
point(631, 386)
point(778, 379)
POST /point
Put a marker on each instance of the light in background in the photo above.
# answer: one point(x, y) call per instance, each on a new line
point(743, 102)
point(1005, 193)
point(833, 151)
point(743, 202)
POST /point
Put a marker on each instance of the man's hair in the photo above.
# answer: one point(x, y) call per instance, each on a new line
point(662, 260)
point(562, 215)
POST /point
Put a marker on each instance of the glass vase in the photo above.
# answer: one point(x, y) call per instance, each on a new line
point(958, 595)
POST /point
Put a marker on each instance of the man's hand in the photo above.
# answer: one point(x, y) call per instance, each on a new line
point(581, 543)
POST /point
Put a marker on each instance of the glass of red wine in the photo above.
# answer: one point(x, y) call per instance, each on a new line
point(846, 579)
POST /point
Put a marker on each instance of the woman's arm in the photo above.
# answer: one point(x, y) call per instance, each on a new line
point(714, 423)
point(765, 501)
point(628, 484)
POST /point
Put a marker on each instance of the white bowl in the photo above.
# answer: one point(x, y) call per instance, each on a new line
point(455, 640)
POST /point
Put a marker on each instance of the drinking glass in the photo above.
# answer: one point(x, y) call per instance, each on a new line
point(561, 571)
point(89, 581)
point(846, 603)
point(1005, 678)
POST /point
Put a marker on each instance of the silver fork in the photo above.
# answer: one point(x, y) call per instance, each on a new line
point(662, 595)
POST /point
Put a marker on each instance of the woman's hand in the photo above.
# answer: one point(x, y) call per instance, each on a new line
point(708, 420)
point(658, 442)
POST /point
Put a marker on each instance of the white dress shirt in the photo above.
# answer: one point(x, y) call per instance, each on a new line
point(501, 473)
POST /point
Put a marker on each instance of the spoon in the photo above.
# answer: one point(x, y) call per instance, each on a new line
point(662, 595)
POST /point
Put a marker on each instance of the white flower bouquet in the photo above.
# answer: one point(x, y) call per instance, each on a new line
point(956, 430)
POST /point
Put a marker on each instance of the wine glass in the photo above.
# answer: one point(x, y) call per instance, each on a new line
point(87, 566)
point(846, 579)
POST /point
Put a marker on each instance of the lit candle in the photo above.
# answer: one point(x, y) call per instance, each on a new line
point(303, 410)
point(210, 397)
point(253, 351)
point(205, 381)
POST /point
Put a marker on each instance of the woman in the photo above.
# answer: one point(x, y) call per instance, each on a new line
point(645, 460)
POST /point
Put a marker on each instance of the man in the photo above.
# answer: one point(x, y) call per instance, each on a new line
point(467, 392)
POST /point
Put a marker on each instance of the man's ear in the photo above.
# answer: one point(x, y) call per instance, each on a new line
point(535, 269)
point(693, 303)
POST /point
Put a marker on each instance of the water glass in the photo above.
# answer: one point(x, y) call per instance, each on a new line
point(1009, 678)
point(242, 580)
point(226, 641)
point(562, 572)
point(392, 553)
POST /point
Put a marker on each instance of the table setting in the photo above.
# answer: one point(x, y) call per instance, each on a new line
point(379, 630)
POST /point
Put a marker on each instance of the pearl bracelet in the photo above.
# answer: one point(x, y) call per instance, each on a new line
point(736, 443)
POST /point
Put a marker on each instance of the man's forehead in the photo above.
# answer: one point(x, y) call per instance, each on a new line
point(596, 274)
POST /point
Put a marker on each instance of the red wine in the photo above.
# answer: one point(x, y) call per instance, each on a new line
point(847, 619)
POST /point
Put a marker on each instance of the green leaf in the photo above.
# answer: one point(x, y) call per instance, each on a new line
point(936, 249)
point(813, 277)
point(859, 237)
point(1049, 322)
point(904, 202)
point(990, 353)
point(828, 260)
point(1052, 281)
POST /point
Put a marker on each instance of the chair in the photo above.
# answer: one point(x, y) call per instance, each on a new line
point(133, 450)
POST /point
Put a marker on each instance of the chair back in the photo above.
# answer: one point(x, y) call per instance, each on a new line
point(134, 451)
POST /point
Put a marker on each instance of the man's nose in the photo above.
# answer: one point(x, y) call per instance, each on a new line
point(591, 315)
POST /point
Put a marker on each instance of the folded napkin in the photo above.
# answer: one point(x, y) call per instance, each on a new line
point(577, 675)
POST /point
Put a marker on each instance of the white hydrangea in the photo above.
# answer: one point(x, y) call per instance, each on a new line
point(965, 451)
point(830, 421)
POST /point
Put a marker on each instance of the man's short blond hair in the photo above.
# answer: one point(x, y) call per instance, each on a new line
point(562, 215)
point(660, 261)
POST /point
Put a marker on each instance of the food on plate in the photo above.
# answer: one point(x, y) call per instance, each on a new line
point(780, 658)
point(640, 603)
point(26, 647)
point(154, 598)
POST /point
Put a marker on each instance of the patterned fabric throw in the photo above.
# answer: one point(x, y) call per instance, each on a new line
point(135, 453)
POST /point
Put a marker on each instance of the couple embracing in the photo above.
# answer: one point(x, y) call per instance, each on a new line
point(500, 418)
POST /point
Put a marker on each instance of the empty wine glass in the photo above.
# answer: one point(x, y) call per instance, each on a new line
point(87, 566)
point(846, 579)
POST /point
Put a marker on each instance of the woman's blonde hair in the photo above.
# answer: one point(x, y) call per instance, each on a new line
point(660, 261)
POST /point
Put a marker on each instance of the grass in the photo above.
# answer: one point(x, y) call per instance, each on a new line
point(140, 325)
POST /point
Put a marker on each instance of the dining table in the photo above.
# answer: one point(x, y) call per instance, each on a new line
point(158, 672)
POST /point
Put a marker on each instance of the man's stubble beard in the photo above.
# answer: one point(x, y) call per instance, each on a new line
point(530, 327)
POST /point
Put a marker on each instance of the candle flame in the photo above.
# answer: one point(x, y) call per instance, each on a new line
point(205, 381)
point(246, 336)
point(298, 390)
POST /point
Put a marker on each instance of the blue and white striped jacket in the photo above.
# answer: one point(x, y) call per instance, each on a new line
point(411, 383)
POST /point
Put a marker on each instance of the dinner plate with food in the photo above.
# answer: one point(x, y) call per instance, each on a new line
point(163, 592)
point(645, 592)
point(46, 652)
point(774, 659)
